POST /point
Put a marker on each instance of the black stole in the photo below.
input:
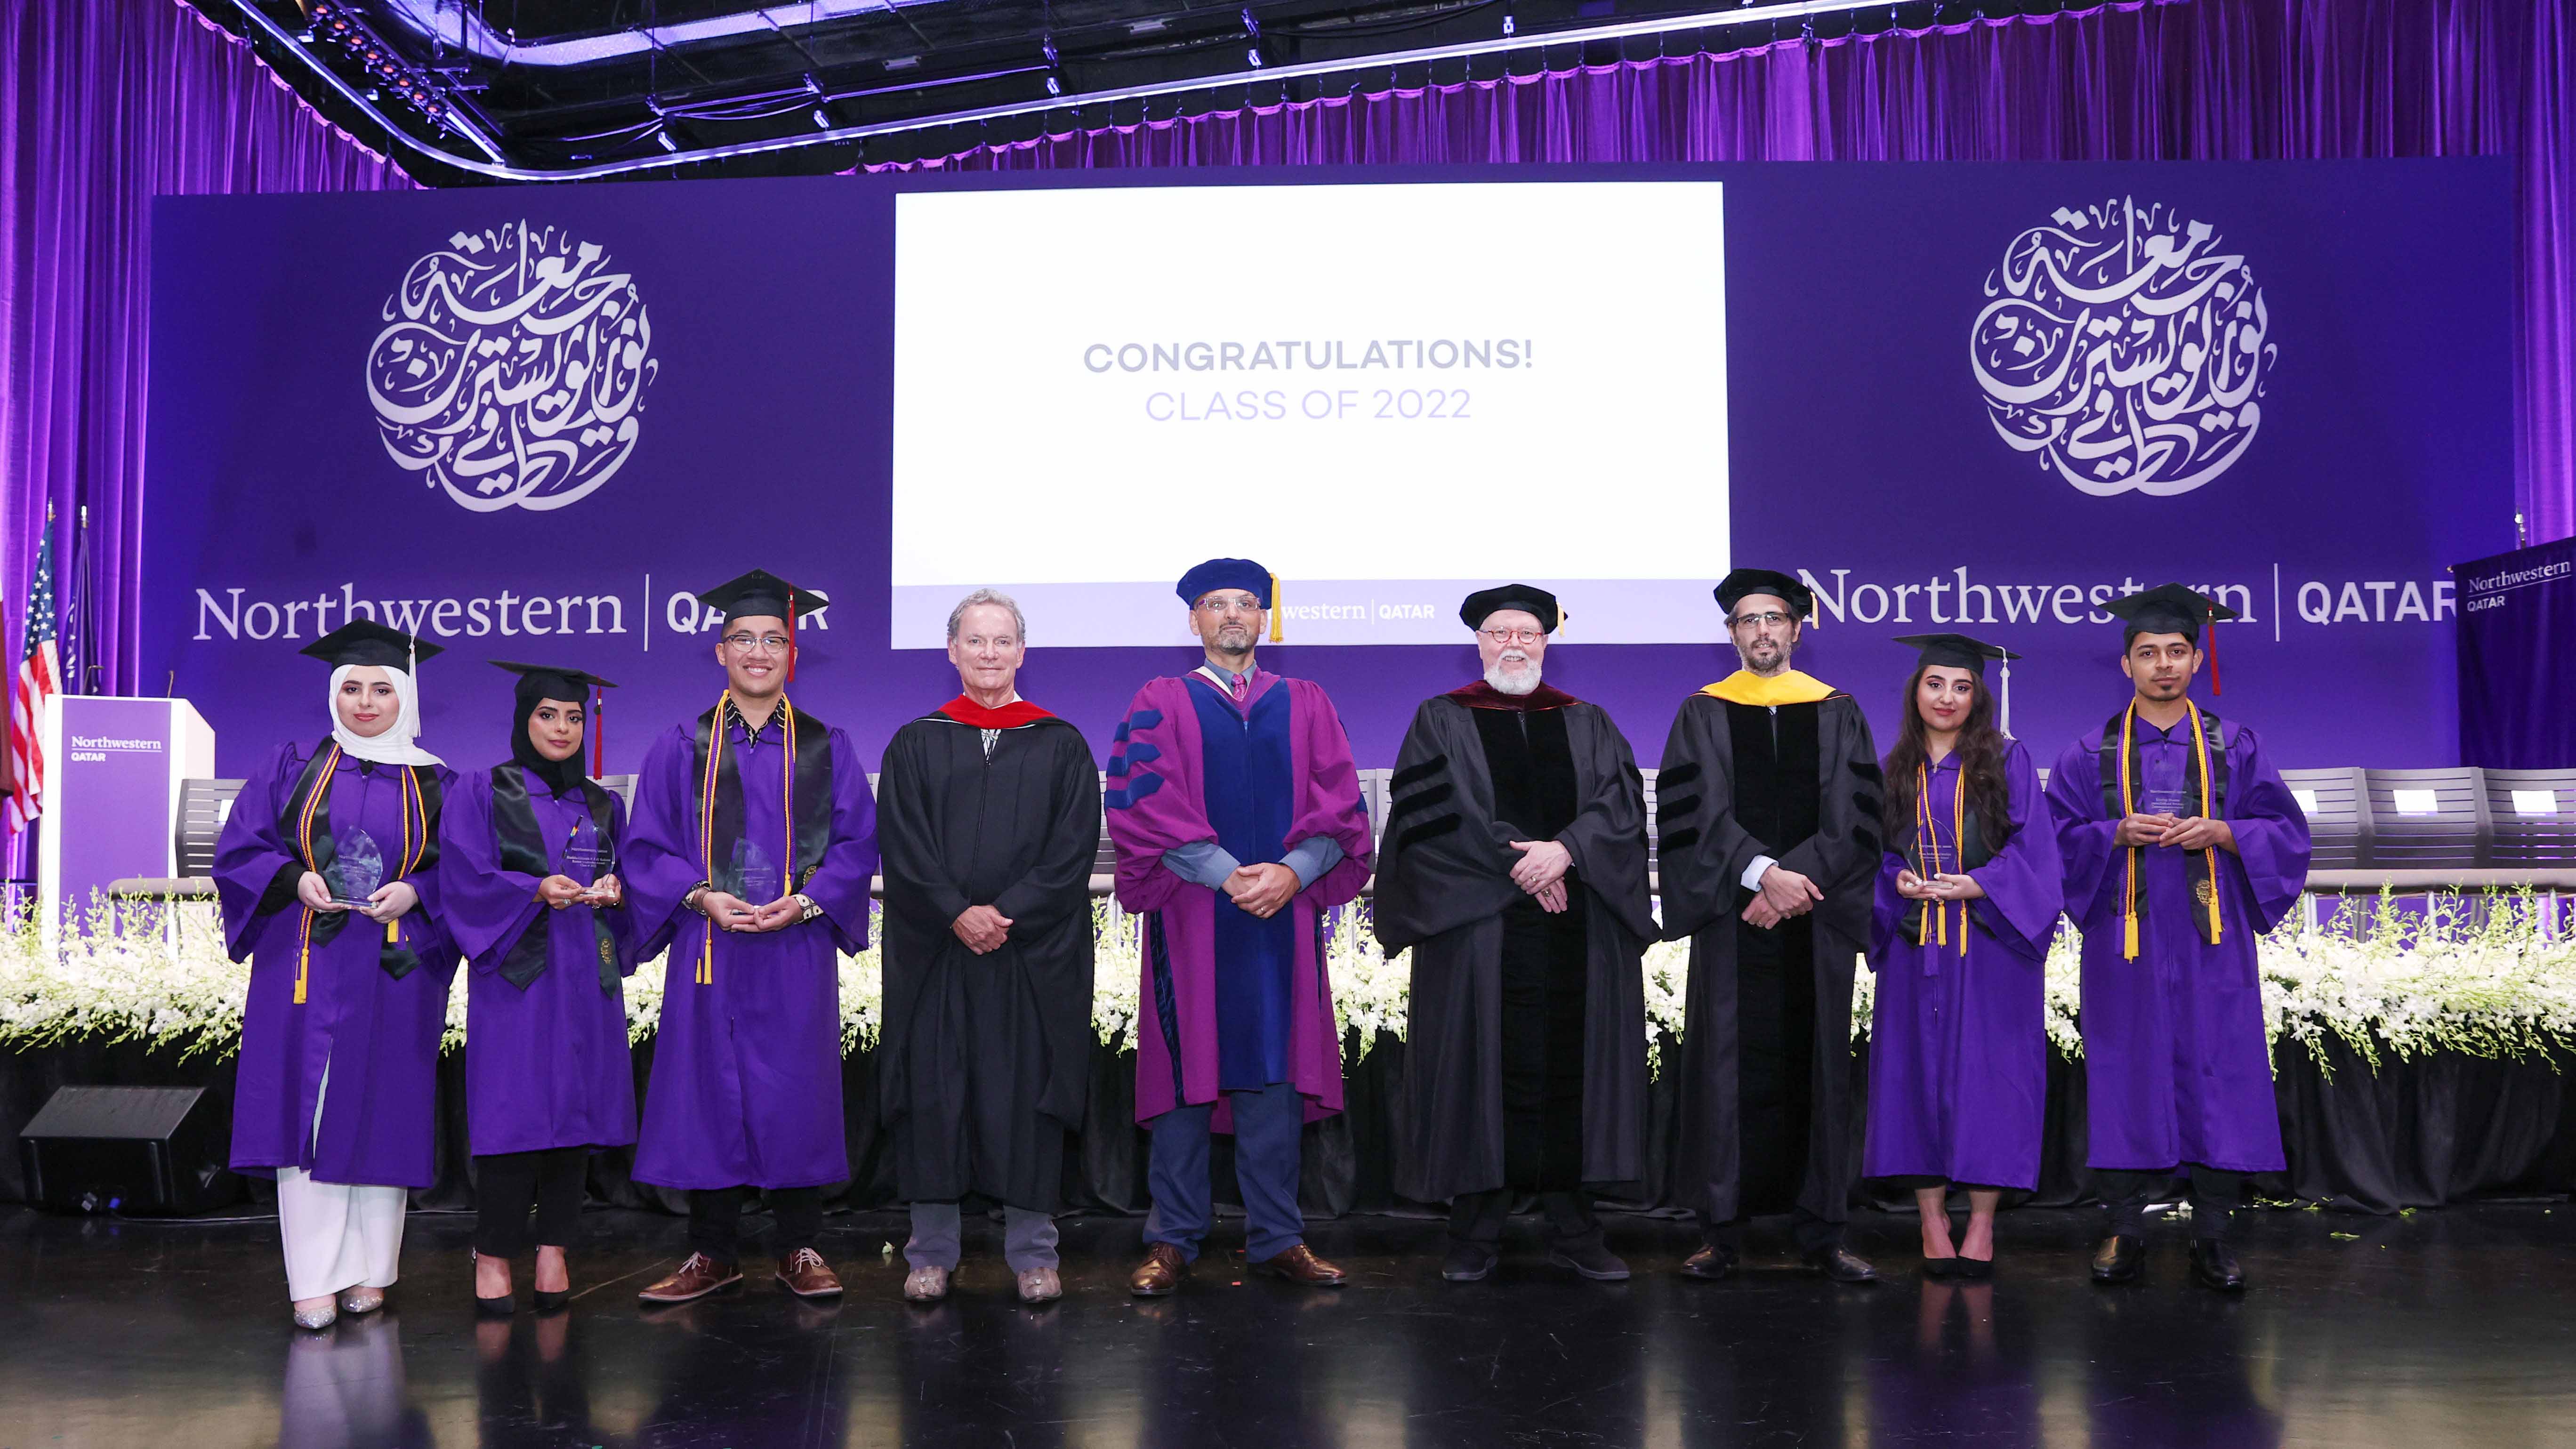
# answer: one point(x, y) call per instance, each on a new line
point(809, 744)
point(2211, 753)
point(523, 849)
point(1779, 784)
point(313, 791)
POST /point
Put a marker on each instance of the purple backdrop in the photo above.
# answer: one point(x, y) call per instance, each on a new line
point(1863, 450)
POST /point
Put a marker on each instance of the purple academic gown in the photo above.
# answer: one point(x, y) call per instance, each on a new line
point(1157, 800)
point(546, 1066)
point(379, 1036)
point(746, 1086)
point(1958, 1050)
point(2176, 1066)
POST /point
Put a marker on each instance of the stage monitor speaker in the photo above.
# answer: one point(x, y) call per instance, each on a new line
point(128, 1150)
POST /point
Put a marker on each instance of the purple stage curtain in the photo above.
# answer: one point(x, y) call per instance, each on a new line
point(2185, 80)
point(105, 104)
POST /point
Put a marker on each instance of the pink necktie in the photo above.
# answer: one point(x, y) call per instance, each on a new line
point(1242, 682)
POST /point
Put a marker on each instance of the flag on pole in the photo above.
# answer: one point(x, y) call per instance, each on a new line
point(39, 680)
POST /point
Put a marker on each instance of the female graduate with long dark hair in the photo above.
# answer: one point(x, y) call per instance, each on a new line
point(1968, 900)
point(337, 1085)
point(529, 876)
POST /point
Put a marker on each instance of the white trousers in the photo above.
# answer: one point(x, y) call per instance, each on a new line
point(338, 1235)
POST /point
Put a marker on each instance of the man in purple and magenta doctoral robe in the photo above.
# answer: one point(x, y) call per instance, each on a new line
point(1238, 821)
point(749, 855)
point(2182, 847)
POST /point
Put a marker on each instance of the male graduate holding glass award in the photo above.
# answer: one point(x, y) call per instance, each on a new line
point(749, 855)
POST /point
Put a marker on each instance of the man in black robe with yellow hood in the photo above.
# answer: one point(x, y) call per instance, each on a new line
point(1767, 819)
point(1514, 867)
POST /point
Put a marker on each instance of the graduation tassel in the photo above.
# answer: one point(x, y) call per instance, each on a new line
point(2214, 686)
point(791, 640)
point(2007, 692)
point(1278, 625)
point(598, 732)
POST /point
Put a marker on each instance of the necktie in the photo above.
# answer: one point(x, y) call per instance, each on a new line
point(1242, 682)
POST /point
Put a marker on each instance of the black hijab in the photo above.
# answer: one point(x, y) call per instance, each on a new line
point(560, 776)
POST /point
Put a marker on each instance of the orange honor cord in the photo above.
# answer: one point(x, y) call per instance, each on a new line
point(707, 831)
point(410, 854)
point(2128, 807)
point(304, 844)
point(2200, 744)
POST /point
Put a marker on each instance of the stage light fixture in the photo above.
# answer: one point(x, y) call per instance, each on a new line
point(667, 143)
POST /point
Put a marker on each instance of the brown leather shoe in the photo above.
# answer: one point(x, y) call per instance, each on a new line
point(695, 1279)
point(807, 1275)
point(1160, 1273)
point(1709, 1264)
point(1300, 1265)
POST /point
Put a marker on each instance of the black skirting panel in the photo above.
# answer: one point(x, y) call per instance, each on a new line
point(2422, 1133)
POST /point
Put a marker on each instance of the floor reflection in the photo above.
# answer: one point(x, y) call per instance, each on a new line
point(532, 1383)
point(344, 1388)
point(1955, 1382)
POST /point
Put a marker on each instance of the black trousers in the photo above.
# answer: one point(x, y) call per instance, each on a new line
point(1477, 1217)
point(507, 1184)
point(1811, 1233)
point(715, 1220)
point(2214, 1196)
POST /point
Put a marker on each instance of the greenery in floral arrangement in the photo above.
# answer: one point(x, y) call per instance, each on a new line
point(2482, 976)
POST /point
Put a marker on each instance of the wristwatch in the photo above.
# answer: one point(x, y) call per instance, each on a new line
point(691, 898)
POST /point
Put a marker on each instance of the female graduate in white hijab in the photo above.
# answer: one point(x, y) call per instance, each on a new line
point(326, 872)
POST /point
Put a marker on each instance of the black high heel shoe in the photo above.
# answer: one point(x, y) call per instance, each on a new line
point(1972, 1270)
point(548, 1302)
point(501, 1307)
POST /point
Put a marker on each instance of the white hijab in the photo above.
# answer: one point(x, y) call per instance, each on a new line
point(394, 746)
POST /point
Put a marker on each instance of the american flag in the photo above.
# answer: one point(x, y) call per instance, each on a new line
point(39, 679)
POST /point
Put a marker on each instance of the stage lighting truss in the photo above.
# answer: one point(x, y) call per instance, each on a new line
point(925, 70)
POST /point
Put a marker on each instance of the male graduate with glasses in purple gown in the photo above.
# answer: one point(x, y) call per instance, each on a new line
point(749, 858)
point(2182, 848)
point(1237, 816)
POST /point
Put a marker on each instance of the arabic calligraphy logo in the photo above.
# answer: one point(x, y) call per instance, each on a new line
point(511, 368)
point(2125, 348)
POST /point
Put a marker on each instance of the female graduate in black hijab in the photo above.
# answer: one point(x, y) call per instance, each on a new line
point(530, 860)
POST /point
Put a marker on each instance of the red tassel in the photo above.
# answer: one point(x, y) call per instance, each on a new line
point(791, 641)
point(598, 733)
point(2214, 686)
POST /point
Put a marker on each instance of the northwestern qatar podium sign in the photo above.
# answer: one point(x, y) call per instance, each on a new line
point(113, 809)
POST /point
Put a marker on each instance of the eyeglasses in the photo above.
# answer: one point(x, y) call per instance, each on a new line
point(757, 643)
point(1239, 604)
point(1770, 619)
point(1513, 636)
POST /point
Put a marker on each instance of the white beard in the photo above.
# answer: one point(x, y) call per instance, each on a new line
point(1522, 680)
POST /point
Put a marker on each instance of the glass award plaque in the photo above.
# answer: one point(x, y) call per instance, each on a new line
point(585, 854)
point(357, 868)
point(754, 878)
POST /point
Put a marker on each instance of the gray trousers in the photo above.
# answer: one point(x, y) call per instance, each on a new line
point(1028, 1237)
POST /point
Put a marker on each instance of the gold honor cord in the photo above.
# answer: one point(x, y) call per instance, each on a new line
point(2128, 807)
point(707, 814)
point(707, 833)
point(1935, 915)
point(304, 841)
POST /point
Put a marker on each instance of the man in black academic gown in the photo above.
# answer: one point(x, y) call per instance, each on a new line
point(988, 812)
point(1767, 811)
point(1514, 867)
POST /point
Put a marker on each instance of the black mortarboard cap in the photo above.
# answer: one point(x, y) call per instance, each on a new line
point(364, 641)
point(1956, 651)
point(1225, 573)
point(761, 594)
point(575, 683)
point(2166, 609)
point(1527, 597)
point(1802, 600)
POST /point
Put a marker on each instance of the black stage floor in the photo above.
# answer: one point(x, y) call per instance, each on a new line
point(2448, 1328)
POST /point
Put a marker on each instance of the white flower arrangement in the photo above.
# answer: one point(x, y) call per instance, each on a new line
point(2483, 976)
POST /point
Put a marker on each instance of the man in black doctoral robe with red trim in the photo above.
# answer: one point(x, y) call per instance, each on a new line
point(988, 812)
point(1514, 868)
point(1767, 809)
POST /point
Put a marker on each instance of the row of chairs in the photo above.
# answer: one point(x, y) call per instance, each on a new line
point(2460, 828)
